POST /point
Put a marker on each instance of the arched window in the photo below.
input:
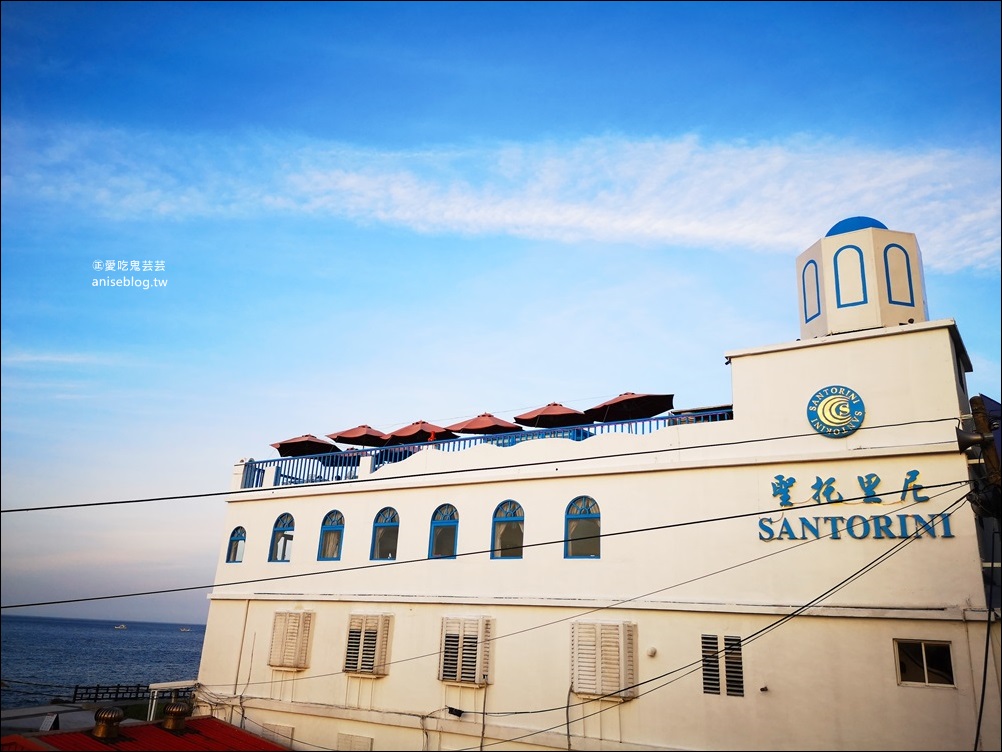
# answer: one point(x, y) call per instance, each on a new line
point(281, 538)
point(444, 533)
point(508, 531)
point(810, 282)
point(850, 277)
point(898, 271)
point(331, 534)
point(384, 534)
point(582, 529)
point(235, 550)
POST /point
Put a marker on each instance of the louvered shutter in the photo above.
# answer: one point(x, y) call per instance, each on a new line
point(711, 665)
point(465, 650)
point(584, 658)
point(628, 662)
point(277, 652)
point(448, 668)
point(734, 666)
point(485, 637)
point(604, 659)
point(353, 648)
point(368, 636)
point(303, 639)
point(290, 639)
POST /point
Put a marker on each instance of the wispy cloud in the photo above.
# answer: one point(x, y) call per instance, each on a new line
point(29, 359)
point(681, 191)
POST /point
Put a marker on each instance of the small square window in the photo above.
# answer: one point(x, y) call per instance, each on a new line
point(922, 662)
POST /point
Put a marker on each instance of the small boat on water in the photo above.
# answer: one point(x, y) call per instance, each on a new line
point(120, 626)
point(185, 629)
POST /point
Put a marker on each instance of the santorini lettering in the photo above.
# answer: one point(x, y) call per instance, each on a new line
point(856, 526)
point(856, 421)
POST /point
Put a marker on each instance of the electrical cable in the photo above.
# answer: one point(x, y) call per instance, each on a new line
point(579, 614)
point(402, 562)
point(751, 638)
point(756, 635)
point(884, 556)
point(616, 455)
point(988, 637)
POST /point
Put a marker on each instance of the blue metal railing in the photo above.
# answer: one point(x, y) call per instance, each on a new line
point(327, 468)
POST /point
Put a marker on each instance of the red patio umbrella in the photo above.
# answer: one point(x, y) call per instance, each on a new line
point(419, 432)
point(553, 415)
point(631, 406)
point(362, 435)
point(304, 445)
point(484, 423)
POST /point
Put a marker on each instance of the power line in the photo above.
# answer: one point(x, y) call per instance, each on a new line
point(598, 609)
point(402, 562)
point(459, 471)
point(693, 667)
point(688, 668)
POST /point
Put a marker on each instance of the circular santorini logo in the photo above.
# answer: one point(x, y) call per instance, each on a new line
point(836, 411)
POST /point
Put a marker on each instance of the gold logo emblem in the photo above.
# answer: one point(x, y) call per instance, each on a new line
point(836, 411)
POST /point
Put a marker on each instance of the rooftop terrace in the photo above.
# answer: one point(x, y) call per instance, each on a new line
point(344, 465)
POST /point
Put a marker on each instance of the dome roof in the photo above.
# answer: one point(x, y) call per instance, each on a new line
point(854, 223)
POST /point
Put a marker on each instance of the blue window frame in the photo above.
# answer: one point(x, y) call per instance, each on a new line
point(582, 528)
point(508, 531)
point(235, 549)
point(444, 533)
point(810, 281)
point(850, 277)
point(896, 259)
point(281, 538)
point(384, 534)
point(331, 535)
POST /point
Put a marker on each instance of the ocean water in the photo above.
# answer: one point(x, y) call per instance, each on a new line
point(45, 658)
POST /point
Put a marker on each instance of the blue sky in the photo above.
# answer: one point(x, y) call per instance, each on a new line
point(385, 212)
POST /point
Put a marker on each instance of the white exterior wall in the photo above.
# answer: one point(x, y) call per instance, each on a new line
point(830, 673)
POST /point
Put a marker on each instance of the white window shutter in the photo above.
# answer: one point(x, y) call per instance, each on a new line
point(278, 733)
point(629, 661)
point(382, 626)
point(290, 639)
point(485, 638)
point(611, 664)
point(302, 655)
point(465, 650)
point(353, 742)
point(584, 658)
point(451, 640)
point(278, 639)
point(353, 649)
point(604, 659)
point(368, 638)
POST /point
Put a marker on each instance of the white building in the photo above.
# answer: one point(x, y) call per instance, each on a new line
point(799, 570)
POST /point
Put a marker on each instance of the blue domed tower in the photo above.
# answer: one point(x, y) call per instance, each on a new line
point(860, 275)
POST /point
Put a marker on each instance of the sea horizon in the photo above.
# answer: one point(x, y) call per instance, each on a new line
point(44, 658)
point(105, 620)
